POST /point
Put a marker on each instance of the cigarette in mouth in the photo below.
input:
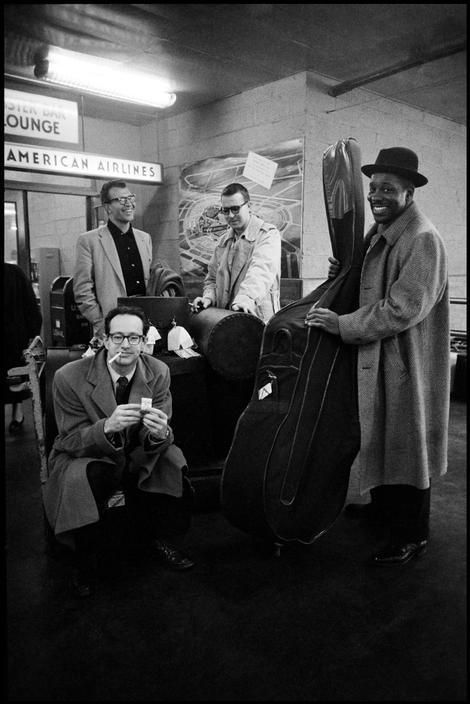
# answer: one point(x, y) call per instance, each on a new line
point(113, 358)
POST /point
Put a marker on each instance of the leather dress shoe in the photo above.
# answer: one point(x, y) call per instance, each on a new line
point(81, 584)
point(394, 554)
point(172, 557)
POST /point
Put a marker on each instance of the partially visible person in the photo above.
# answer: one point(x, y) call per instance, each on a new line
point(245, 268)
point(115, 261)
point(22, 321)
point(112, 260)
point(107, 440)
point(402, 331)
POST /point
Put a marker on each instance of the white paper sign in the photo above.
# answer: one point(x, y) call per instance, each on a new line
point(260, 169)
point(40, 117)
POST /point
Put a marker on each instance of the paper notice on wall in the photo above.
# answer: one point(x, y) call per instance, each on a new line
point(260, 169)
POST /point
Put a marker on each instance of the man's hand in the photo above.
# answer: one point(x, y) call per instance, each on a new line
point(243, 309)
point(200, 303)
point(122, 417)
point(334, 268)
point(323, 318)
point(157, 423)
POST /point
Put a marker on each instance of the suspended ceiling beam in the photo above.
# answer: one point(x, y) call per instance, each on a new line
point(347, 86)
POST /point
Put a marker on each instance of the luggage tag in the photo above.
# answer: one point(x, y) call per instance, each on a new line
point(265, 390)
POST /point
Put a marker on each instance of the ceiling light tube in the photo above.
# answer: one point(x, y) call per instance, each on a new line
point(105, 78)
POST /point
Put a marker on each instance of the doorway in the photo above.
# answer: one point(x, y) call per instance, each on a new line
point(40, 232)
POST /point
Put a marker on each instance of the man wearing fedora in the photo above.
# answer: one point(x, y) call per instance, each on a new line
point(401, 328)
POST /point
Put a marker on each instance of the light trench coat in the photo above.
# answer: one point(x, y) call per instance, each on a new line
point(402, 330)
point(98, 280)
point(253, 278)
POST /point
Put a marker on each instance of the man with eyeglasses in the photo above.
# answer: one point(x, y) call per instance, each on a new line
point(112, 260)
point(245, 268)
point(109, 439)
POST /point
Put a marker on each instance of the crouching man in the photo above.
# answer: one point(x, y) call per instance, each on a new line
point(108, 440)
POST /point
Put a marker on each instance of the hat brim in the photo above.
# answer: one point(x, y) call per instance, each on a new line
point(416, 178)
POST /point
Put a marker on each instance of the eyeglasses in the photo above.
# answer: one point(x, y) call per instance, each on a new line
point(235, 209)
point(118, 338)
point(123, 200)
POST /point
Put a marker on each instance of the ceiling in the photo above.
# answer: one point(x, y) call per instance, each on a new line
point(212, 51)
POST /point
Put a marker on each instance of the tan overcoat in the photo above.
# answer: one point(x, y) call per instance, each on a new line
point(83, 398)
point(402, 329)
point(247, 271)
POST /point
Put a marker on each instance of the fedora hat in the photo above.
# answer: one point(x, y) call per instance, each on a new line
point(397, 160)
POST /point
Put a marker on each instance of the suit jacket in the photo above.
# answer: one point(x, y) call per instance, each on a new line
point(83, 398)
point(98, 280)
point(254, 276)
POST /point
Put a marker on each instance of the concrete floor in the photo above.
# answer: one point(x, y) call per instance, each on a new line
point(315, 624)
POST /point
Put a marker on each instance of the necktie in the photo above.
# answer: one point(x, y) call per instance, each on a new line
point(121, 390)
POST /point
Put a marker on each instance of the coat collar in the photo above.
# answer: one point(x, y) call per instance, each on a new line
point(398, 226)
point(103, 392)
point(249, 234)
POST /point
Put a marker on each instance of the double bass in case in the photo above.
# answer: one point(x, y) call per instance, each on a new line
point(286, 475)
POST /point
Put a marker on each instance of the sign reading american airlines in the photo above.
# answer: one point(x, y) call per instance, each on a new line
point(27, 157)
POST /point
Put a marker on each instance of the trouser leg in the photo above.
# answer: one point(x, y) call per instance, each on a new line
point(158, 515)
point(406, 510)
point(103, 480)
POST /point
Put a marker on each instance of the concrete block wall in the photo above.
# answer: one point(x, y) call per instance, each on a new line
point(299, 106)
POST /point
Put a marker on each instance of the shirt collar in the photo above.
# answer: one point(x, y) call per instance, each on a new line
point(115, 376)
point(116, 232)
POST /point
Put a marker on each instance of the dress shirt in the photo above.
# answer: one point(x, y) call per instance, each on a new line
point(129, 257)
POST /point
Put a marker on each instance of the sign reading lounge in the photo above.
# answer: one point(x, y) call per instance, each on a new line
point(27, 157)
point(32, 116)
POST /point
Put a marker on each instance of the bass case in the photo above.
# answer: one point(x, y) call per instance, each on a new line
point(286, 474)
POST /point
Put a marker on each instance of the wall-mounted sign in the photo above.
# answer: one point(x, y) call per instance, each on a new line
point(32, 116)
point(27, 157)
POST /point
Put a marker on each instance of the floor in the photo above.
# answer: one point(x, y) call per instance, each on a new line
point(316, 623)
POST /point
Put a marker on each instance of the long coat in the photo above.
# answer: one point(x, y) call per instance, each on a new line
point(98, 280)
point(22, 318)
point(253, 277)
point(402, 329)
point(83, 398)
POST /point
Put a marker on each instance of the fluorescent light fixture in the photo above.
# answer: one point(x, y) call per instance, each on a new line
point(105, 78)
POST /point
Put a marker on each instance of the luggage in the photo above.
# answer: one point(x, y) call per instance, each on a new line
point(286, 475)
point(229, 340)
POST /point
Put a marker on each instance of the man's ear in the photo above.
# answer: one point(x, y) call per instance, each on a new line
point(410, 194)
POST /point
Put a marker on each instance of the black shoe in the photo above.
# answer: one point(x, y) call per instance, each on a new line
point(81, 584)
point(394, 554)
point(15, 427)
point(172, 557)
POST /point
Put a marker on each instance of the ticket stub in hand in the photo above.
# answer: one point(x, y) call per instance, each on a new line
point(145, 404)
